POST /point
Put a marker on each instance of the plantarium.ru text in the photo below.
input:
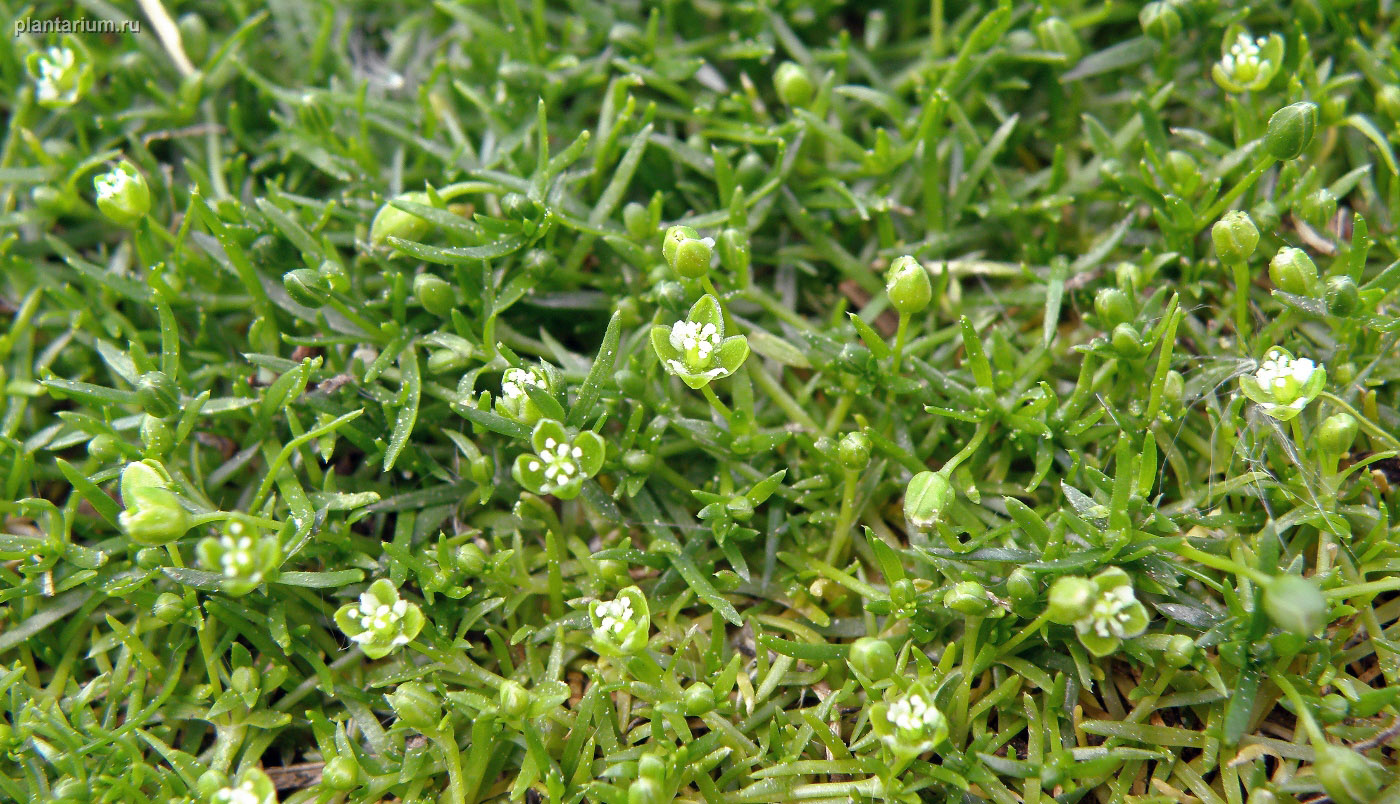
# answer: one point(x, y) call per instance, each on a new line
point(701, 401)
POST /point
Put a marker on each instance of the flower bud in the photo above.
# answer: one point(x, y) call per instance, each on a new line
point(471, 559)
point(1056, 35)
point(968, 597)
point(1337, 433)
point(122, 194)
point(1021, 586)
point(908, 286)
point(1318, 208)
point(872, 658)
point(341, 773)
point(1235, 237)
point(1113, 307)
point(1342, 296)
point(1070, 599)
point(416, 706)
point(194, 36)
point(1295, 604)
point(636, 219)
point(156, 437)
point(152, 514)
point(854, 451)
point(244, 680)
point(1174, 387)
point(1160, 20)
point(1388, 101)
point(926, 499)
point(513, 699)
point(434, 293)
point(1293, 271)
point(1181, 649)
point(793, 85)
point(1347, 776)
point(699, 699)
point(148, 558)
point(157, 394)
point(734, 251)
point(169, 608)
point(390, 221)
point(307, 287)
point(686, 252)
point(1126, 341)
point(1290, 130)
point(210, 782)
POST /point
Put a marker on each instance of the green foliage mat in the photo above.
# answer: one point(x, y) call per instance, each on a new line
point(765, 401)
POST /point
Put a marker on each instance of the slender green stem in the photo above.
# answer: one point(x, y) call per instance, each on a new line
point(1032, 628)
point(715, 403)
point(781, 397)
point(983, 427)
point(446, 743)
point(1238, 190)
point(1304, 714)
point(1218, 562)
point(899, 337)
point(841, 536)
point(1242, 285)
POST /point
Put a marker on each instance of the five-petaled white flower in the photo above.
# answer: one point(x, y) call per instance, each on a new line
point(560, 461)
point(1111, 613)
point(1284, 385)
point(375, 615)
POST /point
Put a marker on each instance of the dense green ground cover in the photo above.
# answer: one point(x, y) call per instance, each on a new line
point(369, 433)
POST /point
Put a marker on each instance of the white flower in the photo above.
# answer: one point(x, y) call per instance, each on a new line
point(915, 713)
point(560, 461)
point(517, 381)
point(376, 616)
point(113, 183)
point(695, 340)
point(1244, 60)
point(55, 66)
point(1110, 613)
point(1283, 376)
point(616, 615)
point(242, 794)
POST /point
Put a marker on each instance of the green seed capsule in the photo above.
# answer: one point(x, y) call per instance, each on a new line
point(872, 658)
point(1388, 102)
point(104, 448)
point(1318, 208)
point(1334, 708)
point(1181, 649)
point(651, 766)
point(1021, 586)
point(334, 274)
point(194, 36)
point(1337, 433)
point(1160, 20)
point(244, 679)
point(1348, 777)
point(793, 85)
point(1182, 172)
point(1174, 387)
point(307, 287)
point(1235, 237)
point(471, 559)
point(926, 499)
point(1291, 130)
point(699, 699)
point(416, 706)
point(968, 597)
point(1342, 296)
point(435, 294)
point(1070, 599)
point(157, 394)
point(156, 437)
point(854, 451)
point(1113, 307)
point(341, 773)
point(1295, 604)
point(1126, 341)
point(1293, 271)
point(169, 608)
point(636, 219)
point(390, 221)
point(908, 286)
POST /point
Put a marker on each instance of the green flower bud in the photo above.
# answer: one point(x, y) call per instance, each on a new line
point(621, 626)
point(1174, 387)
point(435, 294)
point(651, 766)
point(1070, 598)
point(1235, 237)
point(341, 773)
point(1290, 130)
point(854, 451)
point(1295, 604)
point(1056, 35)
point(1318, 208)
point(390, 221)
point(793, 85)
point(638, 462)
point(1160, 20)
point(686, 252)
point(1342, 296)
point(156, 437)
point(1347, 776)
point(307, 287)
point(210, 783)
point(122, 194)
point(1126, 341)
point(148, 558)
point(968, 597)
point(1337, 433)
point(644, 790)
point(740, 508)
point(699, 699)
point(471, 559)
point(169, 608)
point(104, 448)
point(539, 264)
point(734, 251)
point(1388, 101)
point(53, 200)
point(927, 499)
point(157, 394)
point(872, 658)
point(1334, 108)
point(1021, 586)
point(636, 219)
point(152, 514)
point(1113, 307)
point(1293, 271)
point(513, 699)
point(908, 286)
point(1181, 649)
point(416, 706)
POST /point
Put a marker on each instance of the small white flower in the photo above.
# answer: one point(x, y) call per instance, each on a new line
point(616, 615)
point(55, 66)
point(112, 183)
point(516, 383)
point(695, 340)
point(242, 794)
point(1109, 615)
point(914, 713)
